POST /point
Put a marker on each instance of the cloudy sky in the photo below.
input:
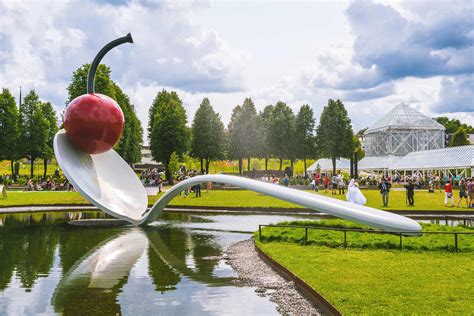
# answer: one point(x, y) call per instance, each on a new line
point(370, 54)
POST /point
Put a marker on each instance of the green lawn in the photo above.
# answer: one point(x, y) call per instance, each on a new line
point(369, 278)
point(240, 198)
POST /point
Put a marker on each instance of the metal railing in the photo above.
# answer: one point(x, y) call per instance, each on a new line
point(370, 231)
point(465, 219)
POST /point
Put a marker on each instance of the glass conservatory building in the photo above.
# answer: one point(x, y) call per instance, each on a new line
point(401, 131)
point(406, 142)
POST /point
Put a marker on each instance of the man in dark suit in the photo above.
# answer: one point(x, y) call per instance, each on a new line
point(410, 193)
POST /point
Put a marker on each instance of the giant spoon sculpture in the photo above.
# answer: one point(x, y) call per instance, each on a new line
point(93, 124)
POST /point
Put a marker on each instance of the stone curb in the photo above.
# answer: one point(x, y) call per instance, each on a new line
point(307, 290)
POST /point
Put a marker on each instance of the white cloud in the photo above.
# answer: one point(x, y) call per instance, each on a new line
point(456, 95)
point(378, 55)
point(42, 44)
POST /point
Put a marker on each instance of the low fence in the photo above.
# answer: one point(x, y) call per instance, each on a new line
point(369, 231)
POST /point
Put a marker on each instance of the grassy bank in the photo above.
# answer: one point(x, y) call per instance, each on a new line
point(368, 278)
point(239, 198)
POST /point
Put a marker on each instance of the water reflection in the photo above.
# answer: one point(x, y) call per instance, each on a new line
point(93, 281)
point(49, 267)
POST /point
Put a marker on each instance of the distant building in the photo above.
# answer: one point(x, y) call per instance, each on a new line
point(406, 142)
point(147, 161)
point(401, 131)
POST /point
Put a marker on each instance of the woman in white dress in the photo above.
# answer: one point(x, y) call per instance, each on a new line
point(354, 195)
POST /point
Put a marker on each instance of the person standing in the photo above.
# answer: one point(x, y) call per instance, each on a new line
point(448, 193)
point(286, 180)
point(437, 183)
point(470, 191)
point(384, 188)
point(326, 183)
point(410, 193)
point(340, 184)
point(334, 184)
point(463, 193)
point(186, 191)
point(159, 183)
point(197, 190)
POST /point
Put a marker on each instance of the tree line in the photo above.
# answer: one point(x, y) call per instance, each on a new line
point(456, 131)
point(28, 131)
point(274, 132)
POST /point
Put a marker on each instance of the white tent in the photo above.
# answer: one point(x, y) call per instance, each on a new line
point(449, 161)
point(325, 165)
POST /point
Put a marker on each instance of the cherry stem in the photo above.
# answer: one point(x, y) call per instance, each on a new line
point(91, 76)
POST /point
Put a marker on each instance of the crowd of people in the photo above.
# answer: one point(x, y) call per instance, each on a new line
point(384, 185)
point(152, 178)
point(336, 183)
point(50, 184)
point(270, 178)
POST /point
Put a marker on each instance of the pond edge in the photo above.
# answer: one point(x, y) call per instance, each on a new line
point(305, 289)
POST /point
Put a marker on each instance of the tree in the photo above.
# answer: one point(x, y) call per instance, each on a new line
point(173, 164)
point(236, 149)
point(50, 115)
point(459, 138)
point(250, 130)
point(207, 139)
point(452, 125)
point(282, 133)
point(168, 133)
point(33, 137)
point(244, 133)
point(129, 146)
point(334, 132)
point(361, 132)
point(9, 118)
point(265, 149)
point(78, 85)
point(304, 134)
point(357, 156)
point(161, 98)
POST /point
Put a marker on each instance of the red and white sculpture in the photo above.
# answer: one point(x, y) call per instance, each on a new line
point(93, 125)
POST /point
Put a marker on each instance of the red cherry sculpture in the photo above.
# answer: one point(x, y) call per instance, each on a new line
point(94, 122)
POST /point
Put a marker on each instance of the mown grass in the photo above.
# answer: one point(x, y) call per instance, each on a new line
point(335, 239)
point(234, 198)
point(367, 278)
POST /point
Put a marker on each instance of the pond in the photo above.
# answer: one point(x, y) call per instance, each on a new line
point(173, 267)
